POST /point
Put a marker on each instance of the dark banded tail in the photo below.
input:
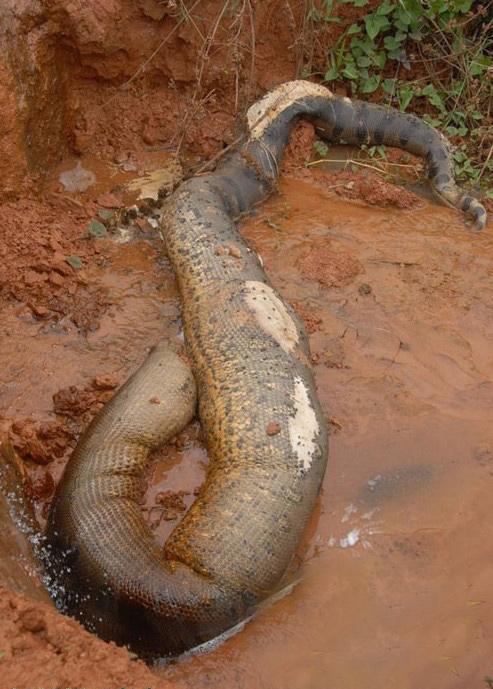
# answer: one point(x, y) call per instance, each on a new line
point(340, 119)
point(357, 122)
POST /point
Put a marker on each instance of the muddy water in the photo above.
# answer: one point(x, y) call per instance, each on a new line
point(396, 568)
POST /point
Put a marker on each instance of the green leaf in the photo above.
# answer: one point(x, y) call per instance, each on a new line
point(489, 193)
point(371, 84)
point(406, 94)
point(392, 43)
point(105, 214)
point(350, 71)
point(321, 148)
point(74, 261)
point(331, 74)
point(402, 19)
point(379, 59)
point(451, 130)
point(374, 24)
point(433, 96)
point(479, 65)
point(363, 61)
point(395, 54)
point(462, 6)
point(388, 85)
point(96, 229)
point(385, 8)
point(354, 28)
point(400, 26)
point(434, 121)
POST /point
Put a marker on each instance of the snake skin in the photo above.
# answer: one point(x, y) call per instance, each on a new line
point(266, 434)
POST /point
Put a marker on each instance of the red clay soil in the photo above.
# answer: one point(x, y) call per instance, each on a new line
point(329, 268)
point(37, 239)
point(41, 648)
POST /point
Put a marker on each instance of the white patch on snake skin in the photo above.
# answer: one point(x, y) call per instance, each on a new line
point(303, 427)
point(263, 112)
point(347, 100)
point(271, 314)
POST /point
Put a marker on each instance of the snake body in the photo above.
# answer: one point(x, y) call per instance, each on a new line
point(265, 432)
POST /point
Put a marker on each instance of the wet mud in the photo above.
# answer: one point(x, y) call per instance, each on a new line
point(395, 571)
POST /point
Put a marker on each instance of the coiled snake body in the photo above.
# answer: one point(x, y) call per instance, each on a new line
point(266, 435)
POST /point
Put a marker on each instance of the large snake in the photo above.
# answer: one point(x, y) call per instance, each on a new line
point(266, 434)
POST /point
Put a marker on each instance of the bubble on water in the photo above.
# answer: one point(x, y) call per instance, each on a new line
point(350, 540)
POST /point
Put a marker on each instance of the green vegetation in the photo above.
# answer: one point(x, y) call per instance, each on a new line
point(432, 57)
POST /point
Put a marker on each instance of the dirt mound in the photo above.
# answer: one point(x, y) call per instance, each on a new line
point(41, 648)
point(329, 268)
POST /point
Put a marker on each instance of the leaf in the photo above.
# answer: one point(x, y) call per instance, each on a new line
point(388, 85)
point(402, 18)
point(451, 130)
point(392, 42)
point(400, 26)
point(350, 71)
point(363, 61)
point(96, 229)
point(379, 59)
point(374, 24)
point(435, 122)
point(462, 5)
point(479, 65)
point(406, 94)
point(74, 261)
point(354, 28)
point(489, 193)
point(385, 8)
point(331, 74)
point(321, 148)
point(371, 84)
point(433, 96)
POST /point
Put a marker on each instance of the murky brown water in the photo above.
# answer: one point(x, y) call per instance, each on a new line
point(398, 574)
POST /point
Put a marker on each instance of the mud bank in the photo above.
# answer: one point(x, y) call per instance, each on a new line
point(40, 648)
point(109, 78)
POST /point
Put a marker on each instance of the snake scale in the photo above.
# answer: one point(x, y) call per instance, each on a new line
point(265, 432)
